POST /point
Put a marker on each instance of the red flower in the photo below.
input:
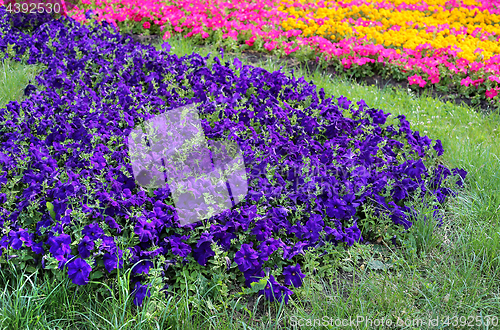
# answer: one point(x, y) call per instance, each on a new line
point(146, 25)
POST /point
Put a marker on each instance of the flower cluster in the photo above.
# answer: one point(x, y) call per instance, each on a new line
point(318, 168)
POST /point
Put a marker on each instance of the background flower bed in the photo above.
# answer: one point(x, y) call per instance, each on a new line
point(87, 213)
point(448, 46)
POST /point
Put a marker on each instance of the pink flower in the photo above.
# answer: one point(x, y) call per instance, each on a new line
point(346, 63)
point(434, 78)
point(491, 93)
point(477, 81)
point(250, 41)
point(494, 78)
point(167, 35)
point(416, 79)
point(146, 25)
point(476, 66)
point(270, 45)
point(466, 82)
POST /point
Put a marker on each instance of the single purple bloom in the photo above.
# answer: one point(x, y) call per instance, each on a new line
point(178, 247)
point(111, 261)
point(78, 271)
point(293, 275)
point(144, 230)
point(140, 292)
point(93, 231)
point(142, 267)
point(85, 246)
point(59, 245)
point(415, 169)
point(246, 258)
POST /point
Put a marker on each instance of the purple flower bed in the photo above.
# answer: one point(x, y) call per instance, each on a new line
point(318, 168)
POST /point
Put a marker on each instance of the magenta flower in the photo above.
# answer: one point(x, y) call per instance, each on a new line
point(491, 93)
point(417, 80)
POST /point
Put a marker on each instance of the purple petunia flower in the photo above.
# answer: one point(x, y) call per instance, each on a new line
point(59, 245)
point(415, 169)
point(145, 230)
point(140, 292)
point(93, 231)
point(78, 271)
point(142, 267)
point(17, 238)
point(203, 249)
point(85, 246)
point(275, 291)
point(178, 247)
point(246, 258)
point(111, 260)
point(293, 275)
point(336, 208)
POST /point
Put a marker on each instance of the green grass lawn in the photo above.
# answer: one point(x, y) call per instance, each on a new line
point(451, 274)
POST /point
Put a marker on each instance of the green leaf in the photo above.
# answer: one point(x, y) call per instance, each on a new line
point(30, 269)
point(97, 275)
point(50, 207)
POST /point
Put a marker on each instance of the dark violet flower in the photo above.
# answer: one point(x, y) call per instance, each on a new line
point(414, 169)
point(166, 47)
point(246, 258)
point(113, 225)
point(275, 291)
point(334, 234)
point(439, 147)
point(312, 229)
point(145, 230)
point(293, 275)
point(461, 176)
point(59, 245)
point(108, 244)
point(78, 271)
point(352, 234)
point(93, 231)
point(203, 249)
point(111, 261)
point(267, 247)
point(336, 208)
point(88, 14)
point(142, 267)
point(17, 238)
point(261, 230)
point(178, 247)
point(140, 292)
point(29, 89)
point(85, 246)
